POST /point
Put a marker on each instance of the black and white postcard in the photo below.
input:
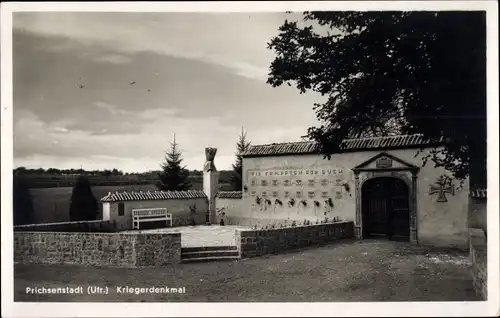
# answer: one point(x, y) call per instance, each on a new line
point(266, 159)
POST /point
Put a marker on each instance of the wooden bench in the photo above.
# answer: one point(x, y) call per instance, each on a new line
point(150, 215)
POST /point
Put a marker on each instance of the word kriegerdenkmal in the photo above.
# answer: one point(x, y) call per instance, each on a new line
point(150, 290)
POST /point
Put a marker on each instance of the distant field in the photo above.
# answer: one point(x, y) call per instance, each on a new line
point(52, 204)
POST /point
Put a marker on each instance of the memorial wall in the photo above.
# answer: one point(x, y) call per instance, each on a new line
point(297, 188)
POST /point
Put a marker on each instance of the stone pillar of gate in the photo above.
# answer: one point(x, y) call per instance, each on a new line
point(358, 227)
point(210, 184)
point(413, 209)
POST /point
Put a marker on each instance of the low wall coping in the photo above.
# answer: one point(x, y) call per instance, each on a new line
point(62, 223)
point(477, 237)
point(92, 233)
point(293, 227)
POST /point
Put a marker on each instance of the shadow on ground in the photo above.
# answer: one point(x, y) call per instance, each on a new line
point(349, 271)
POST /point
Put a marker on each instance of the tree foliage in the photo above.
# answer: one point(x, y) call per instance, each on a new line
point(392, 73)
point(22, 202)
point(236, 178)
point(83, 202)
point(173, 176)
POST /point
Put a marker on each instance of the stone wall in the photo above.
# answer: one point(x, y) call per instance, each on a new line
point(260, 242)
point(477, 213)
point(478, 255)
point(233, 207)
point(77, 226)
point(97, 249)
point(313, 178)
point(179, 208)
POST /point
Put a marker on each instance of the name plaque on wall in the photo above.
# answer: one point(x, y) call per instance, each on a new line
point(295, 172)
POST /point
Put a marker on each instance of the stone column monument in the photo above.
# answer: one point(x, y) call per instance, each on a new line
point(210, 184)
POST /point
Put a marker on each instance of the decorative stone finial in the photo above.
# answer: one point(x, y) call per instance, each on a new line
point(210, 155)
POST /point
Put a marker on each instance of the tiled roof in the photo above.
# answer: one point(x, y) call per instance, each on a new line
point(230, 194)
point(478, 194)
point(309, 147)
point(153, 195)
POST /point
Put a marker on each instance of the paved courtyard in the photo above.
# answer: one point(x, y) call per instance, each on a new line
point(346, 271)
point(203, 235)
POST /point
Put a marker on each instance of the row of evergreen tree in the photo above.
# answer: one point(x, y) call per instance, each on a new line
point(84, 205)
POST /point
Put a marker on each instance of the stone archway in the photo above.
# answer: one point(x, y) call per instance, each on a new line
point(386, 166)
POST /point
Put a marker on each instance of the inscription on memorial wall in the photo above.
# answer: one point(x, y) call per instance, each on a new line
point(295, 172)
point(325, 182)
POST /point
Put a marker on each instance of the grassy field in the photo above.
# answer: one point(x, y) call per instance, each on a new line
point(52, 204)
point(349, 271)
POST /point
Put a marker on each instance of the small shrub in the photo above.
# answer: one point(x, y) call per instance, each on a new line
point(316, 203)
point(304, 202)
point(268, 202)
point(258, 200)
point(329, 202)
point(291, 202)
point(278, 202)
point(347, 187)
point(294, 224)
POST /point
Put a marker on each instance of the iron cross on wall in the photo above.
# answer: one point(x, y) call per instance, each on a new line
point(442, 186)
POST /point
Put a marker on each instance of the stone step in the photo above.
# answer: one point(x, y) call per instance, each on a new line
point(208, 248)
point(210, 259)
point(203, 254)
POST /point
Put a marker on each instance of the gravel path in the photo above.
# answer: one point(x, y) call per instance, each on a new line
point(348, 271)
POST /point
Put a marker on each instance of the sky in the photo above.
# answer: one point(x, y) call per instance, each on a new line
point(109, 90)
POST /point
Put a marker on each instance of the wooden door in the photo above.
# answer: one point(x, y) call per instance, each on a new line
point(385, 208)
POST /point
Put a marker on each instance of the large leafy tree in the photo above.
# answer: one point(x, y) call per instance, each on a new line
point(237, 176)
point(173, 176)
point(22, 202)
point(392, 72)
point(84, 205)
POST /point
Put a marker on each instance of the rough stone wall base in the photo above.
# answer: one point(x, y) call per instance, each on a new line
point(261, 242)
point(478, 255)
point(97, 249)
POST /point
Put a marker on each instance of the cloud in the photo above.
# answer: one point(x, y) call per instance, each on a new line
point(113, 58)
point(202, 86)
point(58, 130)
point(113, 109)
point(43, 140)
point(232, 40)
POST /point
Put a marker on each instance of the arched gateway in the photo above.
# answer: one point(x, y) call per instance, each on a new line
point(386, 204)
